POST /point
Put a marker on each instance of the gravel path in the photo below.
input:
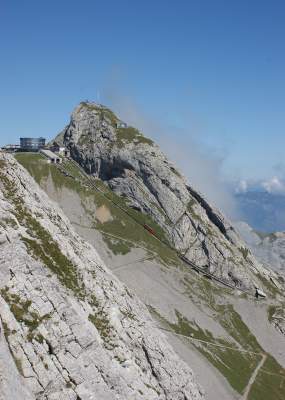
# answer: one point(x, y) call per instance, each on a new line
point(252, 378)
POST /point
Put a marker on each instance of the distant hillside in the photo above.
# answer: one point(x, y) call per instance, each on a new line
point(268, 248)
point(262, 210)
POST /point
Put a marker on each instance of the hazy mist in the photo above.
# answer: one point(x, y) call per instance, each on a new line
point(200, 164)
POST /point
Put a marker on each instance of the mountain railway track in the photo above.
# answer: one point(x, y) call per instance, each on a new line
point(151, 231)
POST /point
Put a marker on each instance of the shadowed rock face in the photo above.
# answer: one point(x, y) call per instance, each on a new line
point(134, 167)
point(68, 328)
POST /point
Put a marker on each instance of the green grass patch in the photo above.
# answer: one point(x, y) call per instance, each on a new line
point(235, 366)
point(8, 222)
point(244, 251)
point(2, 164)
point(19, 366)
point(269, 383)
point(210, 295)
point(35, 163)
point(234, 325)
point(41, 171)
point(238, 373)
point(100, 320)
point(104, 112)
point(73, 170)
point(116, 245)
point(125, 227)
point(45, 173)
point(139, 216)
point(131, 135)
point(276, 312)
point(22, 312)
point(271, 310)
point(46, 250)
point(102, 324)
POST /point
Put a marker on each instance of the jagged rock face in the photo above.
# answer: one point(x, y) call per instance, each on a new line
point(134, 167)
point(69, 326)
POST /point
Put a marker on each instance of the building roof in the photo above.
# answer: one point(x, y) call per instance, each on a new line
point(49, 153)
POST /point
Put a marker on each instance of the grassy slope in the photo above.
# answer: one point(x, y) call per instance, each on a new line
point(235, 366)
point(120, 225)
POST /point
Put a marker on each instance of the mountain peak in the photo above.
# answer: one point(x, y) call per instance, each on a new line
point(135, 168)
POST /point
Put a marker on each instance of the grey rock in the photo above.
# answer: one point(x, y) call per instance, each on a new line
point(134, 167)
point(72, 329)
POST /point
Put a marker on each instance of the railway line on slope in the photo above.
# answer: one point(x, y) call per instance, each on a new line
point(92, 185)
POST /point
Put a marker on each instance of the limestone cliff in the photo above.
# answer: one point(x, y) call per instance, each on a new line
point(69, 328)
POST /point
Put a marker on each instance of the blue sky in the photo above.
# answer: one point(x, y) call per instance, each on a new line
point(212, 69)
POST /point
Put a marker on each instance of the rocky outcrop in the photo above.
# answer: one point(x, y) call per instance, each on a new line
point(69, 328)
point(134, 167)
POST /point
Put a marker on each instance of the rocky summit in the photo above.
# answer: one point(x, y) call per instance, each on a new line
point(134, 167)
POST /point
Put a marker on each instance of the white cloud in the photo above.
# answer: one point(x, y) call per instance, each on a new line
point(242, 186)
point(274, 185)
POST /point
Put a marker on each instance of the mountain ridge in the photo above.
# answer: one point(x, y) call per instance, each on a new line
point(262, 210)
point(135, 168)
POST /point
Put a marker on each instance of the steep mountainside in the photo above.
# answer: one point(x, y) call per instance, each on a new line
point(69, 329)
point(263, 211)
point(135, 168)
point(220, 332)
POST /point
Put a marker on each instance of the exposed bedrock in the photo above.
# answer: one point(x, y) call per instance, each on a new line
point(134, 167)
